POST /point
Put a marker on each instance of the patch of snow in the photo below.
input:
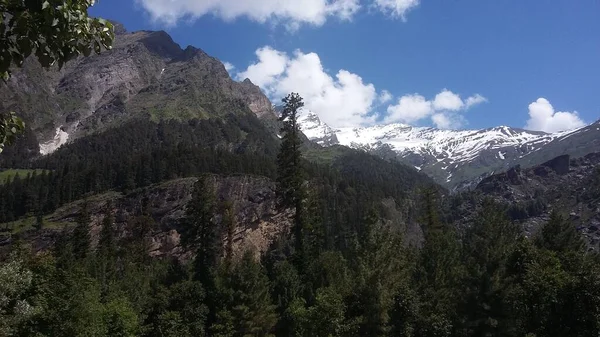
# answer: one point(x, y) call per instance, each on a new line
point(60, 138)
point(419, 168)
point(501, 155)
point(162, 71)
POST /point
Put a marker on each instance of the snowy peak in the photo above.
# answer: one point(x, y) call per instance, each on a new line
point(316, 130)
point(452, 157)
point(442, 144)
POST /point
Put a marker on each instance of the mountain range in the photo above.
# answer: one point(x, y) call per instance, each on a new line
point(456, 159)
point(148, 114)
point(148, 76)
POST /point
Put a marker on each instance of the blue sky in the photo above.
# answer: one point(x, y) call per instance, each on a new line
point(451, 64)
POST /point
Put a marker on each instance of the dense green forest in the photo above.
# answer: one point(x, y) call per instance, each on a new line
point(341, 271)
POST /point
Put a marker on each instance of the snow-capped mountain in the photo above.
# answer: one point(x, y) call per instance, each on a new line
point(455, 158)
point(317, 131)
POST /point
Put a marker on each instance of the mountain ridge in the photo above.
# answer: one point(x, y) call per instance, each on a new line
point(145, 74)
point(448, 155)
point(149, 76)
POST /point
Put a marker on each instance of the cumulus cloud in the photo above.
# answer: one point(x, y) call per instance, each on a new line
point(474, 100)
point(385, 96)
point(410, 109)
point(448, 120)
point(345, 99)
point(271, 63)
point(340, 100)
point(292, 13)
point(542, 117)
point(447, 100)
point(442, 110)
point(441, 121)
point(397, 8)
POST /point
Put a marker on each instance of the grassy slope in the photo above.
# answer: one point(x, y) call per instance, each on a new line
point(10, 173)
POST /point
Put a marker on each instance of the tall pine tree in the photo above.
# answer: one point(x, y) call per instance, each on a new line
point(438, 272)
point(488, 246)
point(246, 308)
point(290, 172)
point(200, 231)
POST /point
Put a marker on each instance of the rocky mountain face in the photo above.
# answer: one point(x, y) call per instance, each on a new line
point(146, 74)
point(570, 186)
point(258, 219)
point(457, 159)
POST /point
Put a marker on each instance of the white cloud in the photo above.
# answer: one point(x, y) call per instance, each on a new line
point(474, 100)
point(385, 96)
point(542, 117)
point(448, 120)
point(442, 110)
point(441, 120)
point(228, 66)
point(447, 100)
point(271, 63)
point(410, 109)
point(397, 8)
point(340, 100)
point(345, 99)
point(292, 13)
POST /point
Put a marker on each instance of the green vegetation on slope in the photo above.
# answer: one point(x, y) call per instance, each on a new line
point(10, 174)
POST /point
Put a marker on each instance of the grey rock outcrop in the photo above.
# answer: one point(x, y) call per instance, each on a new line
point(258, 219)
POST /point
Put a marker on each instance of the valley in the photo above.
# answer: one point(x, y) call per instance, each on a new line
point(152, 193)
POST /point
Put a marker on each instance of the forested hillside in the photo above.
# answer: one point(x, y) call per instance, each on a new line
point(182, 205)
point(96, 249)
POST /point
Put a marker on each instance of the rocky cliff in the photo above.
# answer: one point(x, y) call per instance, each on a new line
point(146, 75)
point(568, 185)
point(257, 217)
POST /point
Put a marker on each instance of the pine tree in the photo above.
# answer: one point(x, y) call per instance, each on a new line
point(81, 234)
point(290, 172)
point(488, 246)
point(559, 236)
point(200, 231)
point(229, 225)
point(314, 230)
point(248, 310)
point(438, 272)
